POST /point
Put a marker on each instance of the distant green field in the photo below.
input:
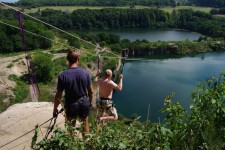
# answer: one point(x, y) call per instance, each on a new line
point(219, 15)
point(195, 8)
point(72, 8)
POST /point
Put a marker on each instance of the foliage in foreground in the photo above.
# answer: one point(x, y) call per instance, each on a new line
point(203, 128)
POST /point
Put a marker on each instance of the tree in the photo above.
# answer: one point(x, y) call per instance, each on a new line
point(43, 67)
point(214, 11)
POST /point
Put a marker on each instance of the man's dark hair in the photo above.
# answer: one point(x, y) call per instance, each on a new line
point(72, 56)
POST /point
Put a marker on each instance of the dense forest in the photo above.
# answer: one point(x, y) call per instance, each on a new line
point(161, 3)
point(37, 3)
point(14, 42)
point(133, 18)
point(209, 3)
point(216, 11)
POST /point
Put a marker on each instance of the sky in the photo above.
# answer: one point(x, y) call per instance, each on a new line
point(9, 1)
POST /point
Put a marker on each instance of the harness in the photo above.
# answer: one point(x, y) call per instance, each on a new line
point(106, 103)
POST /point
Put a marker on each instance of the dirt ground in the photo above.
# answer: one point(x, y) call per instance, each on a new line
point(17, 68)
point(19, 119)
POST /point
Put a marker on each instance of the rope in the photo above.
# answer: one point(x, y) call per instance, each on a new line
point(30, 130)
point(53, 40)
point(32, 33)
point(19, 120)
point(98, 61)
point(123, 61)
point(50, 130)
point(29, 64)
point(48, 24)
point(24, 134)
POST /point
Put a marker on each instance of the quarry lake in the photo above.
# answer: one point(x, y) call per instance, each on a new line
point(153, 35)
point(148, 82)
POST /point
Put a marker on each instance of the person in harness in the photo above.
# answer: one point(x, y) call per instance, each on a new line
point(107, 110)
point(76, 83)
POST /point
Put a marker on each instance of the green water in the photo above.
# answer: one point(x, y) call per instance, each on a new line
point(149, 82)
point(153, 35)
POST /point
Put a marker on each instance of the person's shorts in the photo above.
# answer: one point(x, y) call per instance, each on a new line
point(79, 108)
point(108, 107)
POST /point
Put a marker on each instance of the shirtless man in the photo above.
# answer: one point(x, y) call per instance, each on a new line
point(106, 86)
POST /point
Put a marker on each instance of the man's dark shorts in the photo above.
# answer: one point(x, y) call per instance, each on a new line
point(79, 108)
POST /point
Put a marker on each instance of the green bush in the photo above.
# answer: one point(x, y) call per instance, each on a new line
point(3, 105)
point(43, 67)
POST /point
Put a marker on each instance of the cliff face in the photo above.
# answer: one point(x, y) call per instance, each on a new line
point(181, 48)
point(154, 51)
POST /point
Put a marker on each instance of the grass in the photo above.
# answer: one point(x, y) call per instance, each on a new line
point(195, 8)
point(220, 15)
point(10, 54)
point(21, 90)
point(3, 105)
point(46, 94)
point(72, 8)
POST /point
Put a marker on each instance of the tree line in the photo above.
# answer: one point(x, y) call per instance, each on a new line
point(208, 3)
point(110, 18)
point(216, 11)
point(38, 3)
point(158, 3)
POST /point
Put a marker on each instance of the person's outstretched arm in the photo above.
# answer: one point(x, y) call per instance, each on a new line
point(119, 87)
point(97, 75)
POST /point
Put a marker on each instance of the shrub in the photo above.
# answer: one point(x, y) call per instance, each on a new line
point(42, 65)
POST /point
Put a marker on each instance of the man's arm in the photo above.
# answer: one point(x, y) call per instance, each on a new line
point(97, 75)
point(57, 100)
point(90, 93)
point(120, 85)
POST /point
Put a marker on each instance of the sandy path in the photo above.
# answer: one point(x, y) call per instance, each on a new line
point(21, 118)
point(6, 85)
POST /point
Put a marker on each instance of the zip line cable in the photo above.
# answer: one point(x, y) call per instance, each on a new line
point(20, 120)
point(30, 130)
point(24, 134)
point(35, 34)
point(48, 24)
point(95, 45)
